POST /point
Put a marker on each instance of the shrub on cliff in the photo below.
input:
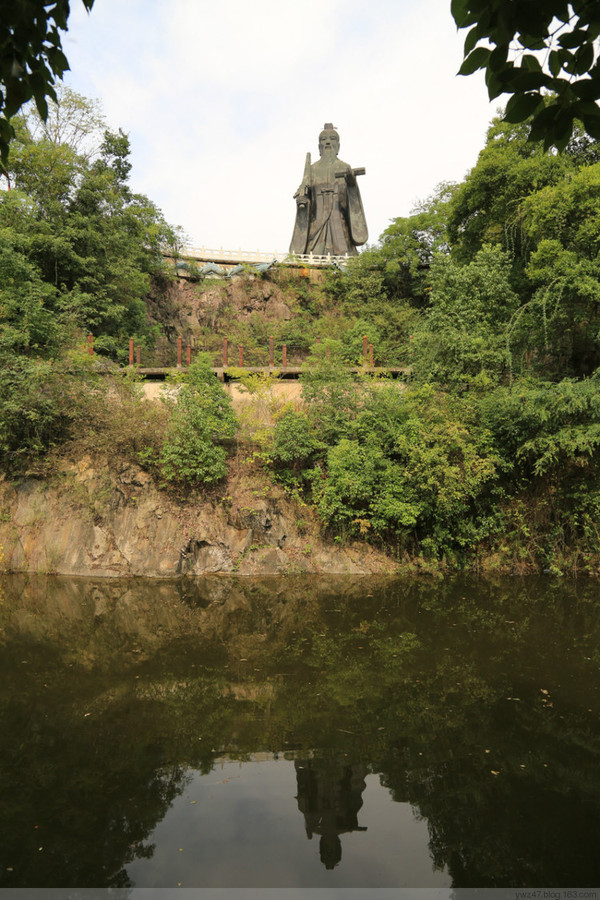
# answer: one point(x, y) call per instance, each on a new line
point(201, 419)
point(413, 471)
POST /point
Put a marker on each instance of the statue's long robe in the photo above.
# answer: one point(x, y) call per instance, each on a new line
point(333, 220)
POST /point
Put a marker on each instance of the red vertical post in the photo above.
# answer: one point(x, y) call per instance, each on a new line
point(224, 353)
point(178, 352)
point(139, 354)
point(241, 357)
point(91, 344)
point(188, 356)
point(130, 351)
point(271, 352)
point(284, 356)
point(371, 355)
point(365, 347)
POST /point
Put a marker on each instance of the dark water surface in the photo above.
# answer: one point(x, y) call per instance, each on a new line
point(299, 732)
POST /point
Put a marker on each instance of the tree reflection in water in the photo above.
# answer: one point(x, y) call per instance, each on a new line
point(476, 703)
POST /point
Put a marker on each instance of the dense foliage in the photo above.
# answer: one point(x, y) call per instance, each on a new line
point(485, 302)
point(78, 250)
point(201, 420)
point(71, 214)
point(491, 447)
point(554, 83)
point(31, 59)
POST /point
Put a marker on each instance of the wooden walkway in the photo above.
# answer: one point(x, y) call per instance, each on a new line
point(289, 372)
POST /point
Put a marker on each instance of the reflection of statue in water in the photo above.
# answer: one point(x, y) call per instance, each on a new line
point(330, 796)
point(330, 219)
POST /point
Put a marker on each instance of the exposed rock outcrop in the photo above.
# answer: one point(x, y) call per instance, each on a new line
point(111, 520)
point(188, 310)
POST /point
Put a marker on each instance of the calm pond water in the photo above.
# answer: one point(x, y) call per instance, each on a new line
point(299, 732)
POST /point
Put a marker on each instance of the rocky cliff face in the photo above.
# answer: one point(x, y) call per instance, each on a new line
point(108, 518)
point(192, 311)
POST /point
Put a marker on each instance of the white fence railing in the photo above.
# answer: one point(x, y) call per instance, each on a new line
point(237, 257)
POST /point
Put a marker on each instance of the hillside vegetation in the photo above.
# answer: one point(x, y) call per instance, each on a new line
point(488, 293)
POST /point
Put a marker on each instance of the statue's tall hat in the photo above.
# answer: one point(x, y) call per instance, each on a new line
point(329, 127)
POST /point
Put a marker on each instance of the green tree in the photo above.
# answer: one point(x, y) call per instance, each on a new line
point(560, 323)
point(487, 207)
point(201, 420)
point(552, 86)
point(414, 471)
point(28, 323)
point(294, 441)
point(31, 59)
point(409, 245)
point(461, 339)
point(77, 252)
point(396, 271)
point(547, 435)
point(77, 219)
point(43, 401)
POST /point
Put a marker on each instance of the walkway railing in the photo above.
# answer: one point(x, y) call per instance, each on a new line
point(239, 257)
point(229, 357)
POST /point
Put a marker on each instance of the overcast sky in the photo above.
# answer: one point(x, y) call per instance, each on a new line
point(223, 99)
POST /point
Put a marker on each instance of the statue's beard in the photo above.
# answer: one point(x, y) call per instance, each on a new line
point(329, 153)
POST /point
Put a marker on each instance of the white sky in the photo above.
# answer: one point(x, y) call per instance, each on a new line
point(222, 99)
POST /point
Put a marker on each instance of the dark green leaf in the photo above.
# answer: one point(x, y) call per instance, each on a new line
point(6, 129)
point(60, 14)
point(532, 19)
point(58, 61)
point(593, 31)
point(592, 126)
point(554, 63)
point(498, 58)
point(521, 106)
point(42, 106)
point(471, 39)
point(20, 93)
point(563, 125)
point(586, 108)
point(570, 64)
point(531, 42)
point(548, 114)
point(476, 60)
point(559, 134)
point(561, 143)
point(528, 81)
point(583, 59)
point(531, 63)
point(561, 11)
point(572, 39)
point(495, 85)
point(459, 10)
point(586, 89)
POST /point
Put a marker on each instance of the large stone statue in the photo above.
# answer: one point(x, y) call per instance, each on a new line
point(329, 213)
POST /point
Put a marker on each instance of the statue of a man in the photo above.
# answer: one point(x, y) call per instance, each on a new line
point(330, 219)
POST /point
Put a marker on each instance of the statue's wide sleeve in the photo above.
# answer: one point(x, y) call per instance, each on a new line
point(356, 215)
